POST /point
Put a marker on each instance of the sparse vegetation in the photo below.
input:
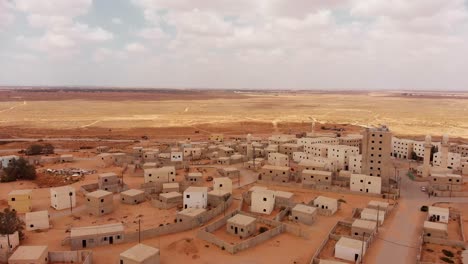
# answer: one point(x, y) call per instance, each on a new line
point(37, 149)
point(341, 201)
point(424, 208)
point(447, 260)
point(263, 229)
point(448, 253)
point(10, 223)
point(18, 169)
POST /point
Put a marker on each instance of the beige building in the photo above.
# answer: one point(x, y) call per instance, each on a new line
point(170, 187)
point(132, 196)
point(170, 198)
point(140, 254)
point(8, 244)
point(263, 201)
point(224, 161)
point(376, 151)
point(353, 140)
point(20, 200)
point(229, 172)
point(326, 205)
point(241, 225)
point(365, 184)
point(62, 197)
point(93, 236)
point(317, 150)
point(110, 182)
point(99, 202)
point(190, 214)
point(281, 139)
point(106, 159)
point(462, 150)
point(217, 138)
point(341, 153)
point(446, 182)
point(275, 173)
point(304, 214)
point(438, 214)
point(66, 158)
point(278, 159)
point(350, 249)
point(436, 230)
point(362, 228)
point(165, 174)
point(453, 160)
point(316, 177)
point(195, 197)
point(225, 152)
point(30, 255)
point(373, 215)
point(382, 206)
point(37, 220)
point(418, 147)
point(402, 148)
point(222, 183)
point(318, 163)
point(355, 164)
point(290, 148)
point(195, 178)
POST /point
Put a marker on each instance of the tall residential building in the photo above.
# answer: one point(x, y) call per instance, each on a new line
point(376, 153)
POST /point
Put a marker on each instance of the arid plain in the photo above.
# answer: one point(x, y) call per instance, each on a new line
point(55, 110)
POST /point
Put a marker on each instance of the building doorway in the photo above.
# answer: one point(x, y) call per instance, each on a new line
point(111, 240)
point(235, 230)
point(83, 243)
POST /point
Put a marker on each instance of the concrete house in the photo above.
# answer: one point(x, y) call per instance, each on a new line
point(107, 159)
point(383, 206)
point(37, 220)
point(66, 158)
point(361, 228)
point(263, 201)
point(225, 151)
point(322, 164)
point(132, 196)
point(222, 183)
point(177, 156)
point(120, 158)
point(110, 182)
point(195, 197)
point(290, 148)
point(365, 184)
point(452, 160)
point(437, 230)
point(317, 150)
point(255, 165)
point(30, 255)
point(170, 198)
point(150, 156)
point(316, 177)
point(216, 197)
point(350, 249)
point(341, 153)
point(278, 159)
point(229, 172)
point(237, 158)
point(223, 161)
point(326, 205)
point(353, 140)
point(241, 225)
point(355, 164)
point(4, 250)
point(438, 214)
point(99, 202)
point(446, 182)
point(304, 214)
point(275, 173)
point(93, 236)
point(170, 187)
point(219, 138)
point(195, 177)
point(164, 174)
point(283, 199)
point(190, 214)
point(62, 197)
point(140, 254)
point(5, 161)
point(20, 200)
point(373, 215)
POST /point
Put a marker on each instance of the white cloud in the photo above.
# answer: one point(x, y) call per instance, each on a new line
point(6, 14)
point(117, 21)
point(65, 8)
point(135, 47)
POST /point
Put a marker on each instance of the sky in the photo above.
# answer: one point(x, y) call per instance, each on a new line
point(236, 44)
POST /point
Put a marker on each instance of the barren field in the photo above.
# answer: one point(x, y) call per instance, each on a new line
point(184, 112)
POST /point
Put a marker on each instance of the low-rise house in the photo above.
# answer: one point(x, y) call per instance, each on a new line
point(149, 165)
point(316, 177)
point(263, 201)
point(216, 197)
point(106, 159)
point(190, 214)
point(222, 183)
point(453, 160)
point(5, 161)
point(62, 197)
point(438, 214)
point(304, 214)
point(8, 243)
point(350, 249)
point(446, 182)
point(132, 196)
point(66, 158)
point(165, 174)
point(355, 164)
point(278, 159)
point(317, 150)
point(361, 228)
point(120, 159)
point(110, 182)
point(241, 225)
point(93, 236)
point(373, 215)
point(150, 156)
point(30, 255)
point(177, 156)
point(195, 177)
point(283, 199)
point(236, 158)
point(326, 205)
point(341, 153)
point(225, 152)
point(170, 198)
point(219, 138)
point(20, 200)
point(255, 164)
point(223, 161)
point(193, 153)
point(99, 202)
point(170, 187)
point(365, 184)
point(437, 230)
point(140, 254)
point(229, 172)
point(290, 148)
point(37, 220)
point(382, 206)
point(275, 173)
point(195, 197)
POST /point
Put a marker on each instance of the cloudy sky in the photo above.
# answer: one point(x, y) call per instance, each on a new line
point(299, 44)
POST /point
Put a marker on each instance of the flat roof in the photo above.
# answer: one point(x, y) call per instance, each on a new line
point(36, 215)
point(257, 188)
point(382, 205)
point(170, 195)
point(230, 169)
point(98, 193)
point(9, 157)
point(272, 167)
point(317, 172)
point(283, 194)
point(240, 219)
point(66, 156)
point(171, 185)
point(96, 230)
point(196, 189)
point(218, 192)
point(107, 174)
point(327, 261)
point(20, 192)
point(30, 253)
point(434, 225)
point(349, 243)
point(63, 189)
point(365, 224)
point(140, 252)
point(324, 199)
point(192, 212)
point(132, 192)
point(195, 174)
point(440, 210)
point(304, 208)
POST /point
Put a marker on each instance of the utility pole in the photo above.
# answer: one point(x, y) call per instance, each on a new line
point(139, 231)
point(253, 157)
point(70, 194)
point(378, 211)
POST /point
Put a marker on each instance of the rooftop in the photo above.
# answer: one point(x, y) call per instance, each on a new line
point(107, 174)
point(196, 189)
point(364, 224)
point(283, 194)
point(192, 212)
point(28, 253)
point(349, 243)
point(171, 185)
point(98, 194)
point(434, 225)
point(304, 208)
point(170, 195)
point(140, 252)
point(21, 192)
point(96, 230)
point(132, 192)
point(323, 199)
point(271, 167)
point(240, 219)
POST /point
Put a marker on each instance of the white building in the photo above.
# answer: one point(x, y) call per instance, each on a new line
point(195, 197)
point(365, 183)
point(222, 183)
point(355, 163)
point(62, 197)
point(341, 153)
point(439, 214)
point(38, 220)
point(350, 249)
point(373, 215)
point(453, 160)
point(325, 204)
point(278, 159)
point(7, 160)
point(402, 148)
point(164, 174)
point(263, 201)
point(418, 147)
point(14, 242)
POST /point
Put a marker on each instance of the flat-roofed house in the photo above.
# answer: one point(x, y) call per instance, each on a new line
point(216, 197)
point(275, 173)
point(278, 159)
point(373, 215)
point(304, 214)
point(140, 254)
point(66, 158)
point(236, 158)
point(316, 177)
point(93, 236)
point(355, 163)
point(437, 230)
point(30, 255)
point(229, 172)
point(132, 196)
point(283, 199)
point(170, 187)
point(5, 161)
point(222, 183)
point(195, 197)
point(361, 227)
point(20, 200)
point(225, 152)
point(326, 205)
point(365, 184)
point(290, 148)
point(177, 156)
point(438, 214)
point(263, 201)
point(110, 182)
point(165, 174)
point(170, 198)
point(446, 182)
point(100, 202)
point(379, 205)
point(37, 220)
point(62, 197)
point(241, 225)
point(341, 153)
point(217, 138)
point(11, 241)
point(190, 214)
point(195, 177)
point(350, 249)
point(106, 159)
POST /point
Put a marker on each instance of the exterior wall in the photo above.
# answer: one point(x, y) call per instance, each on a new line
point(373, 215)
point(359, 232)
point(42, 259)
point(263, 202)
point(164, 174)
point(278, 159)
point(402, 148)
point(453, 160)
point(418, 147)
point(330, 205)
point(100, 205)
point(289, 149)
point(20, 203)
point(76, 243)
point(60, 197)
point(439, 216)
point(314, 177)
point(462, 150)
point(355, 163)
point(341, 154)
point(364, 183)
point(243, 231)
point(446, 182)
point(275, 173)
point(435, 233)
point(303, 217)
point(37, 220)
point(223, 183)
point(349, 253)
point(376, 151)
point(132, 199)
point(177, 156)
point(195, 199)
point(4, 251)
